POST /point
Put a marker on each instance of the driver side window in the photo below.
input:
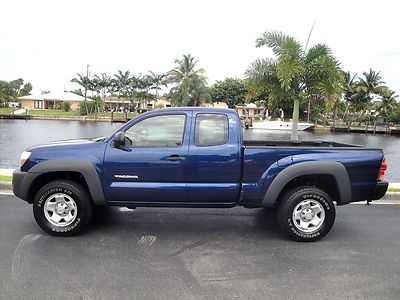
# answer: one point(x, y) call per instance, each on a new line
point(158, 132)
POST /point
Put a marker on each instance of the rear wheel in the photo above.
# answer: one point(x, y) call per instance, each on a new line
point(62, 208)
point(306, 213)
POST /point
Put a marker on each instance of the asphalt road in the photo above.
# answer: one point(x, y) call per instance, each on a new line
point(199, 253)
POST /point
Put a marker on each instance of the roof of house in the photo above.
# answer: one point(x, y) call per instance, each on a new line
point(64, 96)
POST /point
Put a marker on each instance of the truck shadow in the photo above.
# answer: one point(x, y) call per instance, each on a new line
point(170, 222)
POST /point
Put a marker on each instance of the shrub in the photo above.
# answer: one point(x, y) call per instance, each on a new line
point(66, 106)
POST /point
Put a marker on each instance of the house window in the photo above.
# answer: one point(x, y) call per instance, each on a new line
point(38, 104)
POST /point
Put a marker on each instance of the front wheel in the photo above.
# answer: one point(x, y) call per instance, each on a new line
point(62, 208)
point(306, 213)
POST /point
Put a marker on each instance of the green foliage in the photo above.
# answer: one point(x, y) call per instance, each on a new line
point(295, 73)
point(66, 106)
point(190, 83)
point(11, 90)
point(230, 90)
point(86, 107)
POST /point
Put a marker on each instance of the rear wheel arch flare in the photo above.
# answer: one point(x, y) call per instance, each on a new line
point(333, 169)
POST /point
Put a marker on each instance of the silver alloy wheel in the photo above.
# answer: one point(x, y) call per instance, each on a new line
point(60, 210)
point(308, 216)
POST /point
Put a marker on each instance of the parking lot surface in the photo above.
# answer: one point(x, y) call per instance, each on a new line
point(160, 253)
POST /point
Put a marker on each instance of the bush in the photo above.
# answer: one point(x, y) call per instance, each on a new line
point(66, 106)
point(86, 107)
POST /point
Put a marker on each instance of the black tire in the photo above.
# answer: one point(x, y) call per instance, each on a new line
point(72, 190)
point(292, 225)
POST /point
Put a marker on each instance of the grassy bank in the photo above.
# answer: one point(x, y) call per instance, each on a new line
point(5, 178)
point(57, 113)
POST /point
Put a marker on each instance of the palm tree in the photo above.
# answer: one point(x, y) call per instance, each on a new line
point(186, 69)
point(190, 82)
point(388, 103)
point(103, 82)
point(121, 83)
point(296, 72)
point(83, 81)
point(157, 80)
point(371, 85)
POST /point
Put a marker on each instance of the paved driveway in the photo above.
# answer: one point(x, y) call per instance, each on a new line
point(199, 253)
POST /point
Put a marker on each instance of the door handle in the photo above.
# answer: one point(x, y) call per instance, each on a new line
point(174, 157)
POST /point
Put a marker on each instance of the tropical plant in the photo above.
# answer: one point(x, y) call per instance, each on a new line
point(297, 72)
point(388, 103)
point(190, 82)
point(104, 83)
point(66, 106)
point(84, 81)
point(371, 84)
point(157, 81)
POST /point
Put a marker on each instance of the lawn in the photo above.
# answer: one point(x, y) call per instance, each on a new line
point(53, 113)
point(5, 178)
point(5, 110)
point(117, 115)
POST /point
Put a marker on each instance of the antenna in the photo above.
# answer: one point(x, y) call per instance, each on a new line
point(309, 36)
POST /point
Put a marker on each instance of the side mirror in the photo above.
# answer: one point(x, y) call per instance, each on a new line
point(119, 140)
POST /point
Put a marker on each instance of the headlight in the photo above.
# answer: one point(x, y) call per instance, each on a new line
point(24, 156)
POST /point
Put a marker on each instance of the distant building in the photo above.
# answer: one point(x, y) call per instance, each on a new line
point(219, 104)
point(113, 102)
point(250, 110)
point(51, 100)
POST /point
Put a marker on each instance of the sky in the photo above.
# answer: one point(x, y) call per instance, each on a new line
point(48, 42)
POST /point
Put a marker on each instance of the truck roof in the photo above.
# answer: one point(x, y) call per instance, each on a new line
point(198, 108)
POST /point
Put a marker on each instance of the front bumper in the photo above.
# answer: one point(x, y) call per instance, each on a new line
point(21, 184)
point(380, 190)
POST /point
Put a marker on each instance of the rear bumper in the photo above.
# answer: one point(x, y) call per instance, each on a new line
point(380, 190)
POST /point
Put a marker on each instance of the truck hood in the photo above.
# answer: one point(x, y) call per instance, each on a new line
point(66, 143)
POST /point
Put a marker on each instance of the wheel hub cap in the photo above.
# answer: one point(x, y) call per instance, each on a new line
point(308, 216)
point(60, 209)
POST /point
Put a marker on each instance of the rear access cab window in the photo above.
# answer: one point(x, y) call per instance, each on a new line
point(211, 130)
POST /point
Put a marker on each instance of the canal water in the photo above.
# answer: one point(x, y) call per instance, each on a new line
point(17, 135)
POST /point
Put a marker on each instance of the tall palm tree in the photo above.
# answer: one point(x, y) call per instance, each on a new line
point(296, 72)
point(103, 82)
point(186, 69)
point(190, 82)
point(388, 103)
point(83, 81)
point(121, 83)
point(157, 80)
point(371, 84)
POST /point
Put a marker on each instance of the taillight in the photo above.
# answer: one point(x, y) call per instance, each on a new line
point(382, 169)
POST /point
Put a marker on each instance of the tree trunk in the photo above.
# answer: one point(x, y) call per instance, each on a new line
point(295, 126)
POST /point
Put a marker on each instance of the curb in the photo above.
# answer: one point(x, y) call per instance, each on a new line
point(6, 186)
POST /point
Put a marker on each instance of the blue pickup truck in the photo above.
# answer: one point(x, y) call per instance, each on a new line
point(196, 157)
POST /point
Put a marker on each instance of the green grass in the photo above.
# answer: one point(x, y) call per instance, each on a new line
point(117, 115)
point(5, 178)
point(395, 190)
point(5, 110)
point(53, 113)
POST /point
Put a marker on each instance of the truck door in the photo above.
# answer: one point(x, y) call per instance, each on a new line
point(153, 169)
point(214, 161)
